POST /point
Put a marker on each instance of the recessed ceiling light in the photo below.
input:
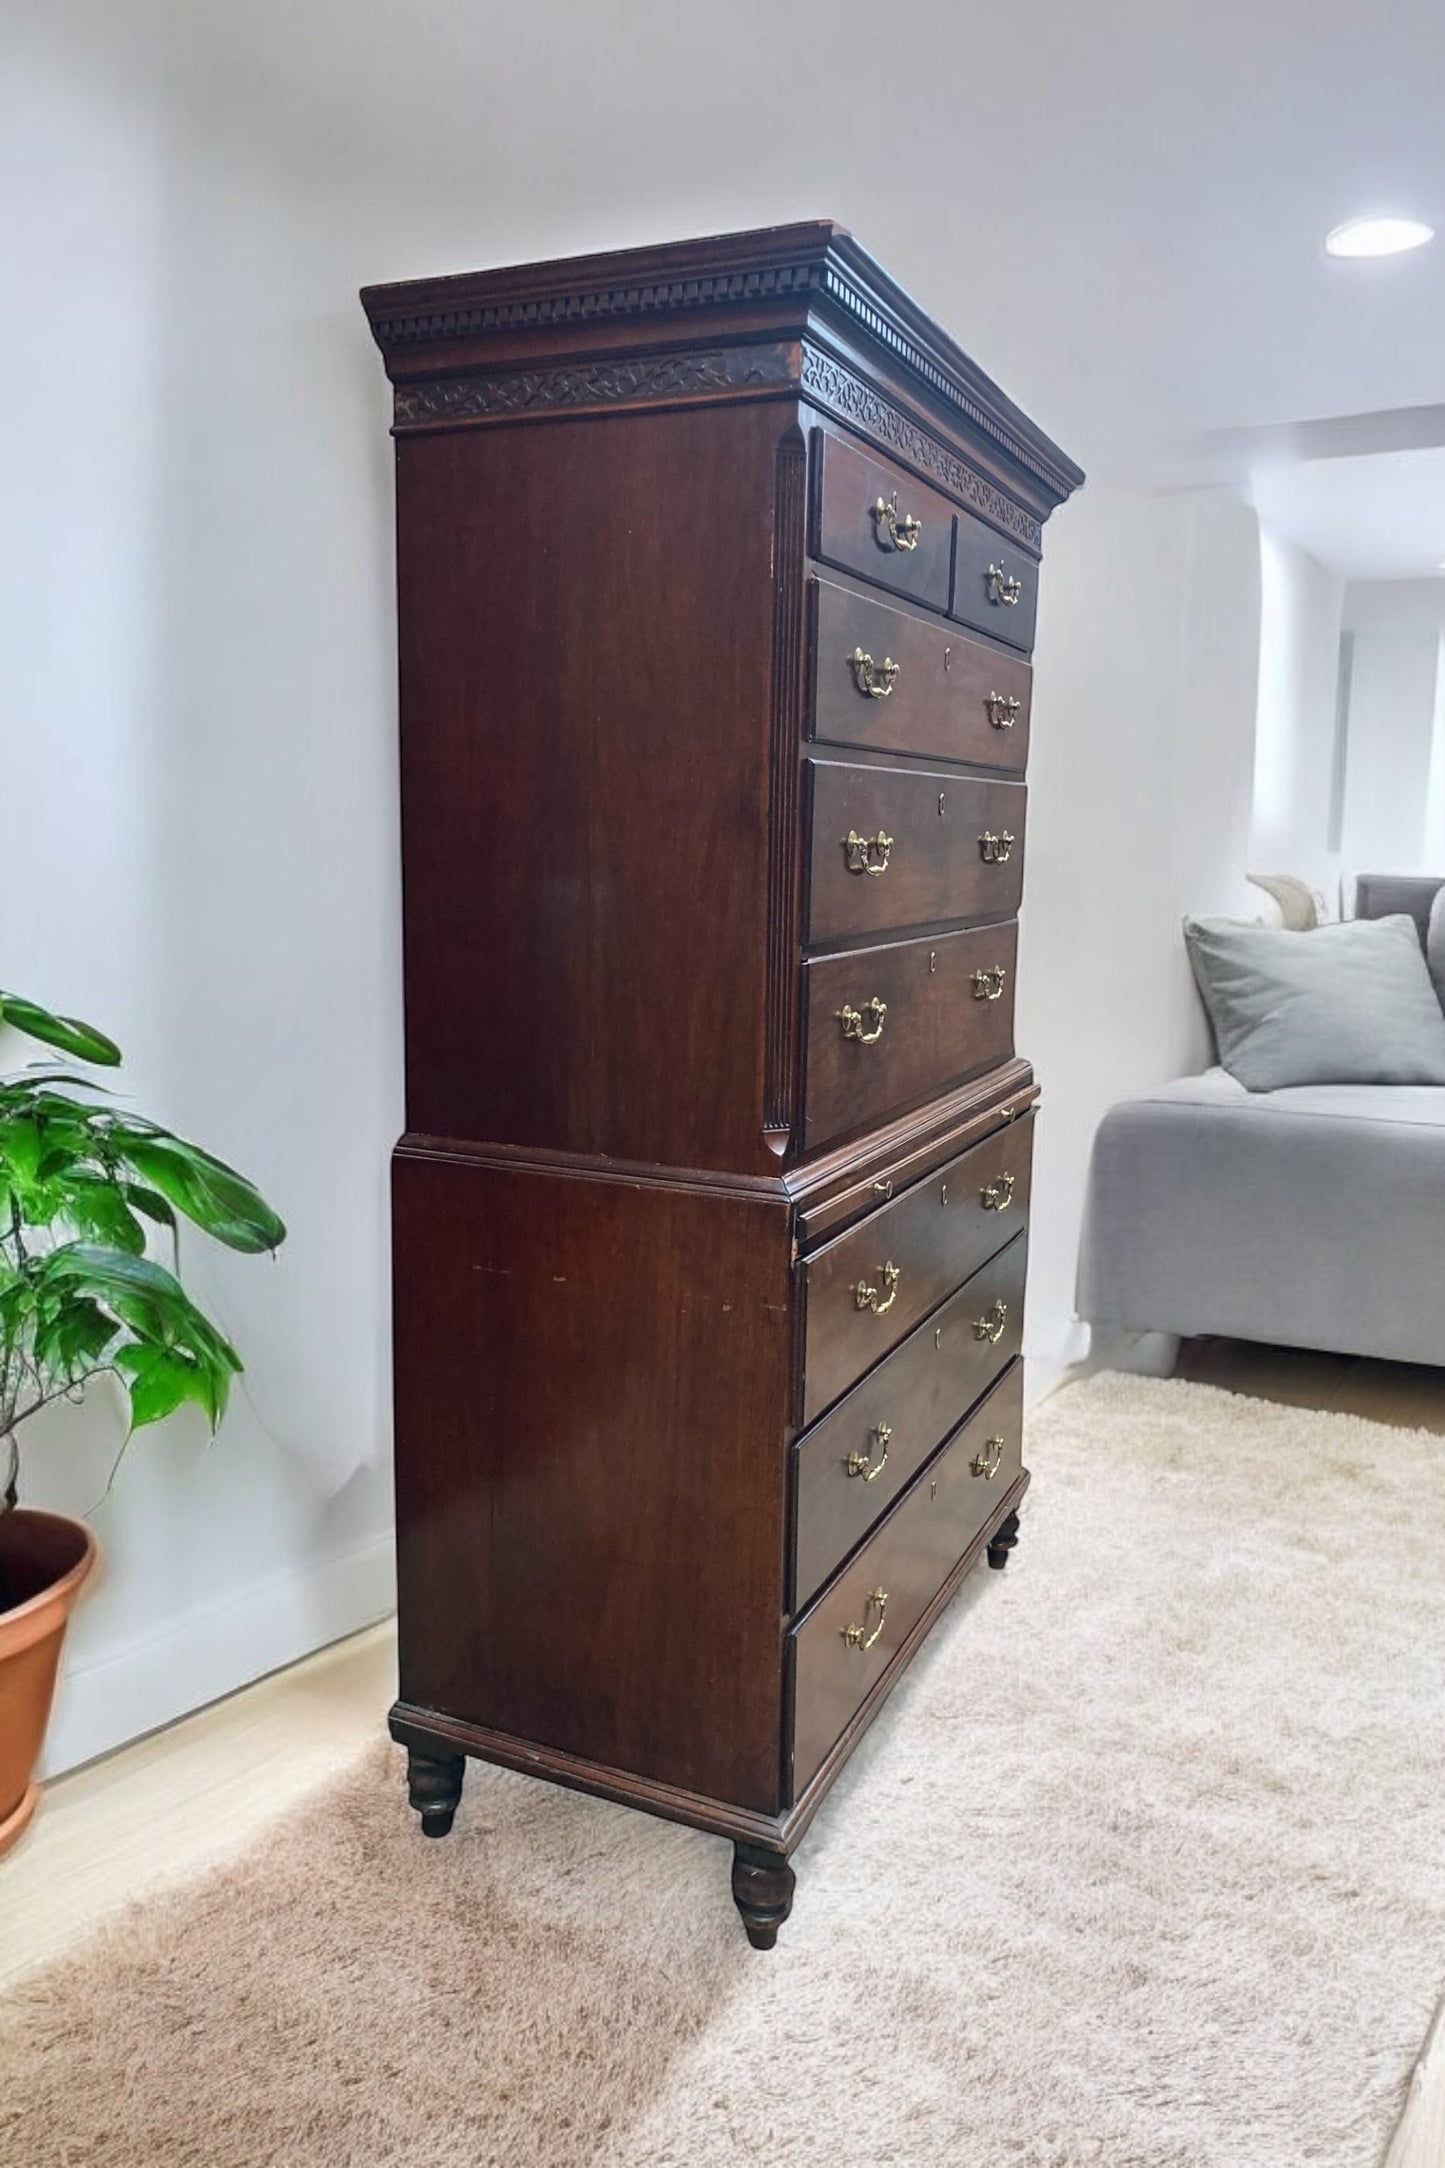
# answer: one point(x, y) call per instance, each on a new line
point(1378, 237)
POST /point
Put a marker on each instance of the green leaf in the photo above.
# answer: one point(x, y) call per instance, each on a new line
point(98, 1207)
point(151, 1203)
point(71, 1343)
point(160, 1380)
point(66, 1032)
point(220, 1201)
point(21, 1143)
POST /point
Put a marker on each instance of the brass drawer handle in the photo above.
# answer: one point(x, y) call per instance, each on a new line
point(858, 1637)
point(1003, 712)
point(873, 679)
point(1004, 587)
point(852, 1021)
point(988, 985)
point(990, 1460)
point(994, 849)
point(860, 851)
point(892, 529)
point(866, 1297)
point(990, 1326)
point(998, 1195)
point(863, 1463)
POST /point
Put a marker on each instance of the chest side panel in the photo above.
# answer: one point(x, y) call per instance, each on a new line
point(587, 619)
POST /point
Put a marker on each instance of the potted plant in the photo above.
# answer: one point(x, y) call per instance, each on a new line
point(81, 1183)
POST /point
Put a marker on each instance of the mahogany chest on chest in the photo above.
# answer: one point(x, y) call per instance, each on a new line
point(717, 571)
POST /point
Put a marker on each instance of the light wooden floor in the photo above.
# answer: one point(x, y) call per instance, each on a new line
point(157, 1812)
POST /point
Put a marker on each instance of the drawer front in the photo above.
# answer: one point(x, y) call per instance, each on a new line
point(910, 1254)
point(995, 585)
point(850, 1467)
point(905, 684)
point(902, 847)
point(889, 1025)
point(847, 1641)
point(876, 521)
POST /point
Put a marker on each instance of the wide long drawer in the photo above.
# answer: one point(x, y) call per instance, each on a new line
point(867, 1289)
point(843, 1646)
point(853, 1463)
point(889, 1025)
point(910, 847)
point(908, 684)
point(880, 523)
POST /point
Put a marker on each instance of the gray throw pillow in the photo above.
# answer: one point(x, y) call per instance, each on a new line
point(1343, 1004)
point(1435, 944)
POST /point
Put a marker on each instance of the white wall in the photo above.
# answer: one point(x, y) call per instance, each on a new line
point(1395, 767)
point(196, 704)
point(1139, 808)
point(1301, 603)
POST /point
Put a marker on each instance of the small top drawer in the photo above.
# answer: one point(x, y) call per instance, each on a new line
point(868, 1288)
point(907, 684)
point(893, 847)
point(874, 520)
point(995, 584)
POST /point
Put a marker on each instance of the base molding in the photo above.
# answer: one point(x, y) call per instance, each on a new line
point(430, 1732)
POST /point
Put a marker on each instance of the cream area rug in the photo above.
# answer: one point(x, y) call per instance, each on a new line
point(1143, 1867)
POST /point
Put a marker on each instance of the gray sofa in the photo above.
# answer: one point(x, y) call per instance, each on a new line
point(1310, 1217)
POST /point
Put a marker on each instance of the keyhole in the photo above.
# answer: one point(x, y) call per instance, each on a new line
point(933, 1490)
point(947, 657)
point(943, 1194)
point(938, 1336)
point(940, 805)
point(932, 961)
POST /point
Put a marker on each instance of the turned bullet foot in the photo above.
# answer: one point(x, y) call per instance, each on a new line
point(763, 1884)
point(1002, 1541)
point(434, 1788)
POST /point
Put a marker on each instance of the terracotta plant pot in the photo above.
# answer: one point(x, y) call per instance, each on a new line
point(43, 1561)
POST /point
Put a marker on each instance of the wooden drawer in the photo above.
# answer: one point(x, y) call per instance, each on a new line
point(850, 1467)
point(914, 1250)
point(906, 847)
point(874, 520)
point(946, 697)
point(995, 584)
point(888, 1025)
point(856, 1628)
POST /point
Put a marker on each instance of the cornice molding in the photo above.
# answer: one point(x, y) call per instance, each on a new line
point(782, 277)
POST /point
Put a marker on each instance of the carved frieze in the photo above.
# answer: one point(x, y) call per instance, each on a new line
point(609, 382)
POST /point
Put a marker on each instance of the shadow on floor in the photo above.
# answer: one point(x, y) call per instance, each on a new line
point(1409, 1395)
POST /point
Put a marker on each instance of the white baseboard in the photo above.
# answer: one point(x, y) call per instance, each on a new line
point(208, 1654)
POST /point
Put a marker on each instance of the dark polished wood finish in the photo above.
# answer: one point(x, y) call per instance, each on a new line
point(995, 585)
point(948, 1000)
point(950, 697)
point(648, 505)
point(763, 1885)
point(934, 1233)
point(1003, 1540)
point(901, 847)
point(871, 520)
point(847, 1640)
point(857, 1459)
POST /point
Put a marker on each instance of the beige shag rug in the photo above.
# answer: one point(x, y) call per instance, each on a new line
point(1143, 1867)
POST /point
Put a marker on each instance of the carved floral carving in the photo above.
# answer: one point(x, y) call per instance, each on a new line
point(833, 386)
point(593, 383)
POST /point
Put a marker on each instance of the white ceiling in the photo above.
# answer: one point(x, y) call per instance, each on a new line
point(1117, 205)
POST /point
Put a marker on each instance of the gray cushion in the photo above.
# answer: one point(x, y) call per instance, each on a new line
point(1344, 1004)
point(1435, 945)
